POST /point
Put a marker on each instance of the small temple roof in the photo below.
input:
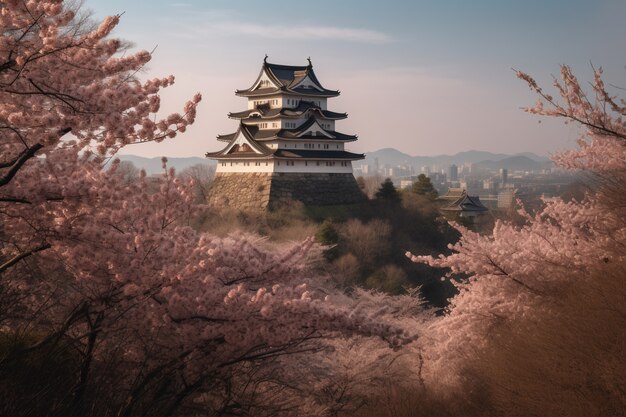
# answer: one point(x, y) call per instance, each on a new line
point(294, 134)
point(265, 112)
point(287, 79)
point(452, 194)
point(466, 203)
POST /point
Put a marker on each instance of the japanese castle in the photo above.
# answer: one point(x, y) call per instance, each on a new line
point(286, 146)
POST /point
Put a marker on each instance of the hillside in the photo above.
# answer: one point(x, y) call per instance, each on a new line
point(513, 163)
point(522, 161)
point(154, 165)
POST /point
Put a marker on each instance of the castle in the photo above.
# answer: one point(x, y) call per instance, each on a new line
point(286, 146)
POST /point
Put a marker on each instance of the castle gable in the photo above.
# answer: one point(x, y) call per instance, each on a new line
point(312, 128)
point(265, 81)
point(305, 82)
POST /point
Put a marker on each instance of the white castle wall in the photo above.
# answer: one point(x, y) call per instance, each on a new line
point(321, 166)
point(313, 145)
point(285, 101)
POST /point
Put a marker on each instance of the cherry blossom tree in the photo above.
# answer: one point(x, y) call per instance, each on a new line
point(539, 322)
point(154, 317)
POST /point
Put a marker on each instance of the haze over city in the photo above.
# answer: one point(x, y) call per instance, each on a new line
point(426, 78)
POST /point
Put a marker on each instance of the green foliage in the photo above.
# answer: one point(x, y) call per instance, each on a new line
point(388, 192)
point(327, 234)
point(390, 279)
point(368, 239)
point(423, 186)
point(339, 213)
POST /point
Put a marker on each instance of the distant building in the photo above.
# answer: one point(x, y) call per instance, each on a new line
point(505, 198)
point(466, 206)
point(490, 184)
point(453, 194)
point(504, 176)
point(439, 181)
point(471, 185)
point(453, 173)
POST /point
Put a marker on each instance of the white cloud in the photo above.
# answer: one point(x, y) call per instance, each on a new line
point(303, 32)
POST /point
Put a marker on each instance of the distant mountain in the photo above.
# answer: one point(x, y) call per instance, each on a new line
point(154, 165)
point(520, 161)
point(526, 161)
point(513, 163)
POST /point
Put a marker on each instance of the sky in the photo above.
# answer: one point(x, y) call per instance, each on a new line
point(424, 77)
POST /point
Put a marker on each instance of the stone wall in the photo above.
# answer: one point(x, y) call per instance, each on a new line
point(259, 191)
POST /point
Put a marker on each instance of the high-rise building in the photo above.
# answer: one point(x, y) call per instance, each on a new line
point(504, 176)
point(453, 173)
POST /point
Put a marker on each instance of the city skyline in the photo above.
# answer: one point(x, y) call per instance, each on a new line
point(425, 78)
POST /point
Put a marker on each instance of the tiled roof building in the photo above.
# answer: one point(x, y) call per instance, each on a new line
point(287, 130)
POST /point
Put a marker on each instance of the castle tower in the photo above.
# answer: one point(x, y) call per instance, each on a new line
point(286, 146)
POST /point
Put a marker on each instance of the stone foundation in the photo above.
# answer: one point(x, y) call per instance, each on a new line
point(260, 191)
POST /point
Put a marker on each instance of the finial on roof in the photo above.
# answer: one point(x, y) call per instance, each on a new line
point(265, 59)
point(309, 59)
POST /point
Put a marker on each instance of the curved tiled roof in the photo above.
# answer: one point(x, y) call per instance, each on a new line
point(265, 112)
point(286, 78)
point(263, 151)
point(317, 154)
point(291, 134)
point(466, 203)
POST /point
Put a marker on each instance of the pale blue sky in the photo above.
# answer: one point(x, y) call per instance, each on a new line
point(425, 77)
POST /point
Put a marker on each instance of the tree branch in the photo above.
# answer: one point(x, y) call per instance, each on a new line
point(30, 152)
point(23, 255)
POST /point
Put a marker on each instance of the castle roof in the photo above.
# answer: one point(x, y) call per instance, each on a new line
point(264, 111)
point(287, 79)
point(243, 144)
point(317, 154)
point(310, 130)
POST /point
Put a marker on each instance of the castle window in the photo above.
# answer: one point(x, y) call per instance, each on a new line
point(326, 146)
point(306, 163)
point(337, 146)
point(317, 163)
